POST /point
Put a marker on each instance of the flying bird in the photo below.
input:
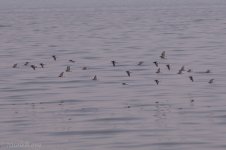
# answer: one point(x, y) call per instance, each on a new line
point(140, 63)
point(14, 65)
point(72, 61)
point(210, 81)
point(113, 63)
point(207, 71)
point(156, 63)
point(157, 82)
point(42, 65)
point(158, 71)
point(128, 73)
point(95, 77)
point(168, 66)
point(61, 74)
point(163, 55)
point(84, 68)
point(26, 63)
point(54, 57)
point(33, 67)
point(68, 69)
point(191, 78)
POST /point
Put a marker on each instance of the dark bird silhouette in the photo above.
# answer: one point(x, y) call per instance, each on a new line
point(14, 65)
point(54, 57)
point(72, 61)
point(158, 71)
point(191, 78)
point(113, 63)
point(140, 63)
point(210, 81)
point(207, 71)
point(156, 63)
point(168, 66)
point(179, 72)
point(61, 74)
point(26, 63)
point(124, 83)
point(157, 82)
point(95, 77)
point(189, 70)
point(33, 67)
point(128, 73)
point(84, 68)
point(68, 69)
point(163, 55)
point(42, 65)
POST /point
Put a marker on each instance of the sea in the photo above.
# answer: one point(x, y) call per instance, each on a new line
point(184, 111)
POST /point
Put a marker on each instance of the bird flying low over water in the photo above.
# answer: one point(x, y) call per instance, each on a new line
point(26, 63)
point(140, 63)
point(158, 71)
point(168, 66)
point(128, 73)
point(210, 81)
point(54, 57)
point(14, 65)
point(124, 83)
point(163, 55)
point(113, 63)
point(33, 67)
point(84, 68)
point(95, 77)
point(68, 69)
point(42, 65)
point(61, 74)
point(72, 61)
point(157, 82)
point(191, 78)
point(207, 71)
point(189, 70)
point(156, 63)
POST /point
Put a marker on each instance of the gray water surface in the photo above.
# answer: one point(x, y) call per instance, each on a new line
point(39, 110)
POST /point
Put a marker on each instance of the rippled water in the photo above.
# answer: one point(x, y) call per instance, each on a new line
point(40, 110)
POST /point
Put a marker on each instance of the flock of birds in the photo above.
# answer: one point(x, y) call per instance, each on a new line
point(114, 64)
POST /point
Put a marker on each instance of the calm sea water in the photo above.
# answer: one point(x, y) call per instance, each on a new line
point(39, 110)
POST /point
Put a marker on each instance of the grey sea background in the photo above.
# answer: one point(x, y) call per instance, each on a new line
point(39, 110)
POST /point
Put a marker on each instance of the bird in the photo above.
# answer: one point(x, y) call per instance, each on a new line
point(179, 72)
point(95, 77)
point(182, 68)
point(61, 74)
point(124, 83)
point(163, 55)
point(84, 68)
point(68, 69)
point(210, 81)
point(191, 78)
point(113, 63)
point(140, 63)
point(42, 65)
point(156, 63)
point(26, 63)
point(14, 65)
point(72, 61)
point(157, 82)
point(168, 66)
point(54, 57)
point(128, 73)
point(189, 70)
point(207, 71)
point(158, 71)
point(33, 67)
